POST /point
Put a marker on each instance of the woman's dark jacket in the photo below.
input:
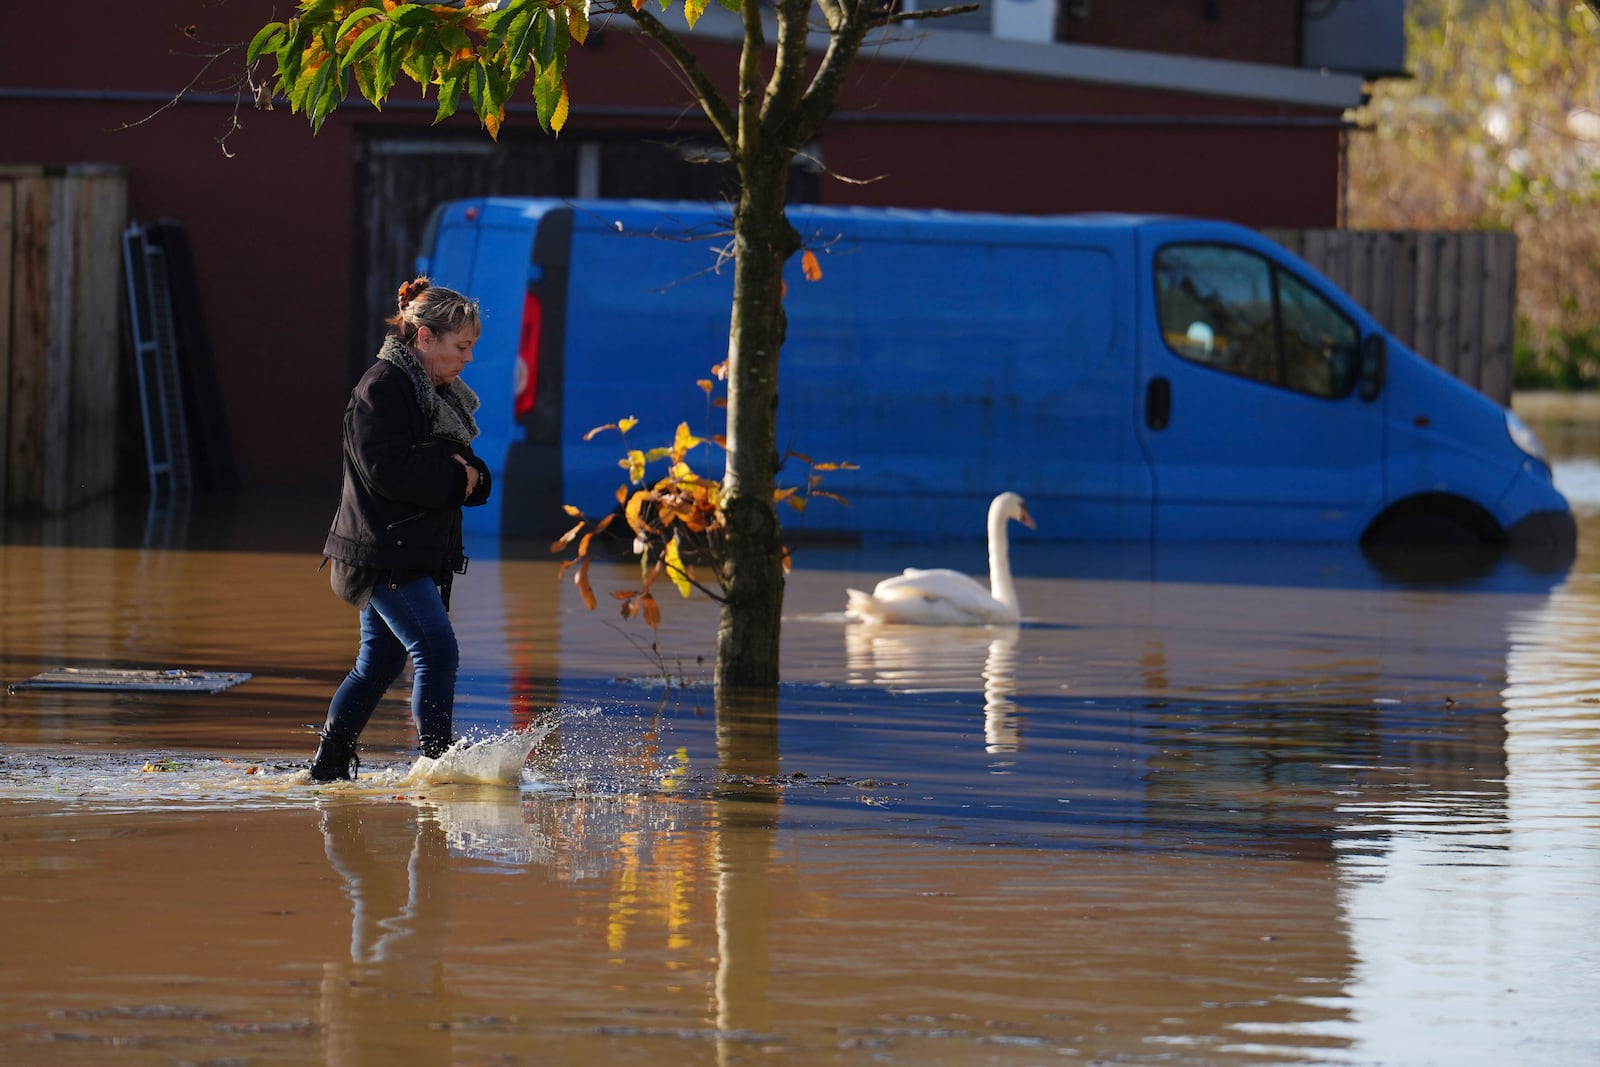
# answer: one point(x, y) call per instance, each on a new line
point(400, 508)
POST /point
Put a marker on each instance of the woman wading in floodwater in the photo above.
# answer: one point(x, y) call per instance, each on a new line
point(395, 544)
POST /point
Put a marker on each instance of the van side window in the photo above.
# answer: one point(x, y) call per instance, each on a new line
point(1242, 314)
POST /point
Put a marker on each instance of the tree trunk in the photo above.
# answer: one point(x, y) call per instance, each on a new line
point(752, 571)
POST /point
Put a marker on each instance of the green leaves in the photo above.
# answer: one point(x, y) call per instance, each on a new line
point(446, 49)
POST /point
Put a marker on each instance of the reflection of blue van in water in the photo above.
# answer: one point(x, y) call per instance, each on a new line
point(1134, 378)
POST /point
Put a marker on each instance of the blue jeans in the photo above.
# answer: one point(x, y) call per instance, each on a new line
point(397, 622)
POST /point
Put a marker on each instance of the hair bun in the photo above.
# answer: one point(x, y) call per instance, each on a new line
point(409, 291)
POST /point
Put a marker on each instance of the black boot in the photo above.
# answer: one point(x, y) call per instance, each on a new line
point(335, 759)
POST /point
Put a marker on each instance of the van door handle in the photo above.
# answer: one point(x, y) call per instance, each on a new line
point(1157, 403)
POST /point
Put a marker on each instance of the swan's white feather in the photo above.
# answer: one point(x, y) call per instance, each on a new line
point(945, 597)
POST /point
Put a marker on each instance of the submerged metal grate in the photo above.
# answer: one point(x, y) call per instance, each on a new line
point(138, 681)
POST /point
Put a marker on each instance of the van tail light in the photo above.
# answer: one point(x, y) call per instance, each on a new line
point(527, 373)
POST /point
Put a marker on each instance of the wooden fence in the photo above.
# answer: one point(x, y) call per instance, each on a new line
point(1449, 296)
point(61, 300)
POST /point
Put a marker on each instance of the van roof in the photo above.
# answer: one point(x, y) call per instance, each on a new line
point(705, 217)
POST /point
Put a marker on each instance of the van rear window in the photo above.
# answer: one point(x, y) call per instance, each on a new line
point(1240, 313)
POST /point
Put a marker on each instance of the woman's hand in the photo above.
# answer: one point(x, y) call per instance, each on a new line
point(472, 474)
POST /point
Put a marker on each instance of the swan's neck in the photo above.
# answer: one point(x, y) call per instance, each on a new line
point(1000, 584)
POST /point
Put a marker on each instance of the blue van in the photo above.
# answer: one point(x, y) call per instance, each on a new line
point(1134, 378)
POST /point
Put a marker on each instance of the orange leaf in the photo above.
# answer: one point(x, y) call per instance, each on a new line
point(836, 467)
point(582, 582)
point(630, 606)
point(810, 267)
point(787, 562)
point(624, 594)
point(720, 371)
point(570, 510)
point(603, 523)
point(622, 495)
point(704, 384)
point(652, 610)
point(566, 539)
point(583, 546)
point(590, 436)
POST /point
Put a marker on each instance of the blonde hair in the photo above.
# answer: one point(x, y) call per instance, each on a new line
point(441, 310)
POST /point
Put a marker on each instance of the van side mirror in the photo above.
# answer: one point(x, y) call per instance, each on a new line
point(1374, 366)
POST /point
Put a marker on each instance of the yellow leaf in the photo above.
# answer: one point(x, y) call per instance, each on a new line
point(633, 463)
point(675, 569)
point(835, 467)
point(796, 502)
point(559, 119)
point(657, 453)
point(635, 512)
point(683, 441)
point(627, 424)
point(810, 267)
point(491, 122)
point(578, 20)
point(782, 494)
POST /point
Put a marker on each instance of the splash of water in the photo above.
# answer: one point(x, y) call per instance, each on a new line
point(495, 760)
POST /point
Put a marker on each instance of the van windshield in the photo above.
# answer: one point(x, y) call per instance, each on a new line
point(1238, 312)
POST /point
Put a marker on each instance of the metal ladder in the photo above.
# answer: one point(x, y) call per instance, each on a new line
point(166, 434)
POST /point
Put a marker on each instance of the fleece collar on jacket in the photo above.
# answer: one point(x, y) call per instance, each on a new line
point(448, 409)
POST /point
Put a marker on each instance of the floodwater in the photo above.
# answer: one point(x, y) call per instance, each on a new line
point(1224, 806)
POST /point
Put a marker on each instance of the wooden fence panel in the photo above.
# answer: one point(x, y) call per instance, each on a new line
point(62, 320)
point(1450, 296)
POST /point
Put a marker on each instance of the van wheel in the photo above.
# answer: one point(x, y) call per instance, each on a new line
point(1434, 538)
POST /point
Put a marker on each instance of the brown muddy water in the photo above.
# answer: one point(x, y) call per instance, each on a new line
point(1224, 806)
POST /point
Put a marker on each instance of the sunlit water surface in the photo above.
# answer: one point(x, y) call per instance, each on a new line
point(1229, 806)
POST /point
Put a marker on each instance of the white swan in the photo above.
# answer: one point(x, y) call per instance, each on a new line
point(945, 597)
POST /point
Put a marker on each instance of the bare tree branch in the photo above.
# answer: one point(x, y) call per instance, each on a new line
point(705, 90)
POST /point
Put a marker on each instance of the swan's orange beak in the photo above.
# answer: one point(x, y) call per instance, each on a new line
point(1026, 519)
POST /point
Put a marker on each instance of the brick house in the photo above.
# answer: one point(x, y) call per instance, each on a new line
point(1227, 108)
